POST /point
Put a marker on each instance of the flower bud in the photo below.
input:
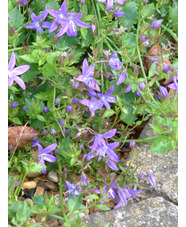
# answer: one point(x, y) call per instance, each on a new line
point(69, 109)
point(163, 91)
point(57, 101)
point(14, 105)
point(52, 132)
point(156, 23)
point(45, 109)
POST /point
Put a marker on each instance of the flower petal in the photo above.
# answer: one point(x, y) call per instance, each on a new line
point(81, 23)
point(20, 82)
point(49, 148)
point(20, 70)
point(110, 4)
point(110, 133)
point(63, 30)
point(49, 158)
point(46, 24)
point(12, 61)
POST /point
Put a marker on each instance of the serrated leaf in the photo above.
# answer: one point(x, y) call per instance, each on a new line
point(147, 10)
point(23, 213)
point(156, 128)
point(74, 203)
point(16, 18)
point(131, 10)
point(161, 145)
point(39, 201)
point(108, 113)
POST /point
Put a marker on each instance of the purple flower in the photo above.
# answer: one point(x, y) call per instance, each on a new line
point(118, 13)
point(62, 13)
point(14, 105)
point(45, 132)
point(93, 28)
point(174, 85)
point(105, 99)
point(107, 149)
point(166, 68)
point(56, 152)
point(14, 72)
point(69, 109)
point(132, 143)
point(86, 76)
point(121, 78)
point(69, 22)
point(145, 1)
point(75, 100)
point(145, 40)
point(24, 108)
point(124, 195)
point(75, 84)
point(156, 23)
point(163, 91)
point(61, 122)
point(112, 165)
point(24, 2)
point(151, 179)
point(110, 3)
point(72, 189)
point(67, 131)
point(81, 146)
point(83, 179)
point(128, 88)
point(44, 153)
point(45, 109)
point(141, 86)
point(38, 22)
point(52, 132)
point(57, 101)
point(92, 93)
point(110, 191)
point(114, 62)
point(92, 104)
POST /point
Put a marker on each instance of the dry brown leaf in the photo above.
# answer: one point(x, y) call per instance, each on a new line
point(20, 136)
point(155, 52)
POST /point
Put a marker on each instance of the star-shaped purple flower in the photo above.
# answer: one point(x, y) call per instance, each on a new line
point(92, 104)
point(38, 22)
point(86, 76)
point(114, 62)
point(44, 153)
point(14, 72)
point(110, 3)
point(62, 13)
point(72, 189)
point(105, 99)
point(69, 22)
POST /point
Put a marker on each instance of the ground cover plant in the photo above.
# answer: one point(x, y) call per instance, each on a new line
point(83, 77)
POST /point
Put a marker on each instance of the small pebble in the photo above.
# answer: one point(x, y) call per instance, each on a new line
point(29, 185)
point(31, 175)
point(50, 185)
point(39, 191)
point(51, 223)
point(29, 193)
point(30, 201)
point(52, 176)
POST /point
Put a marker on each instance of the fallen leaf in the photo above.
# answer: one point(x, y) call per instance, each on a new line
point(20, 136)
point(155, 51)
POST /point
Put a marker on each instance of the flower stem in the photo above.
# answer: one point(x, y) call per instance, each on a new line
point(170, 32)
point(60, 189)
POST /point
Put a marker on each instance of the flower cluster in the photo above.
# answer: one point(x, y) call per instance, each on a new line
point(104, 150)
point(115, 191)
point(43, 154)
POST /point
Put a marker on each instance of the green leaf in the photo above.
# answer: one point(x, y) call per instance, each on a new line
point(40, 117)
point(36, 167)
point(173, 15)
point(29, 58)
point(157, 128)
point(16, 121)
point(74, 203)
point(102, 207)
point(23, 213)
point(31, 73)
point(84, 32)
point(39, 201)
point(147, 10)
point(93, 196)
point(131, 10)
point(108, 113)
point(152, 70)
point(16, 18)
point(161, 145)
